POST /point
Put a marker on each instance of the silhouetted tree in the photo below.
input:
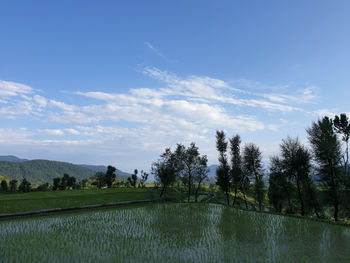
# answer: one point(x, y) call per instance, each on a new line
point(25, 186)
point(223, 178)
point(43, 187)
point(110, 176)
point(342, 127)
point(252, 162)
point(200, 174)
point(327, 153)
point(132, 180)
point(56, 183)
point(13, 185)
point(236, 165)
point(166, 170)
point(277, 184)
point(144, 177)
point(100, 179)
point(189, 160)
point(4, 186)
point(296, 161)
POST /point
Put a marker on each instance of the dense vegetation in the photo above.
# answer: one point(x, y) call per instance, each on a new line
point(173, 233)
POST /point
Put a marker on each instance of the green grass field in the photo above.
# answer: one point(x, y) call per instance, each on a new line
point(170, 232)
point(22, 202)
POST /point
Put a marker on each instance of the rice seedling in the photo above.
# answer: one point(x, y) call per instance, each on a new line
point(172, 233)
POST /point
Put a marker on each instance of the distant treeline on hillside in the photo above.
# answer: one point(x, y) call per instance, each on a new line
point(43, 171)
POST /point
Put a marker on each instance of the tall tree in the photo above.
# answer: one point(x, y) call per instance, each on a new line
point(56, 183)
point(327, 153)
point(278, 185)
point(201, 173)
point(165, 170)
point(189, 161)
point(132, 180)
point(4, 186)
point(144, 177)
point(110, 175)
point(296, 161)
point(252, 163)
point(236, 164)
point(342, 127)
point(223, 178)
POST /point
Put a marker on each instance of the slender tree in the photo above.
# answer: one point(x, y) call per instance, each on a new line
point(200, 174)
point(236, 164)
point(327, 152)
point(252, 163)
point(144, 177)
point(223, 178)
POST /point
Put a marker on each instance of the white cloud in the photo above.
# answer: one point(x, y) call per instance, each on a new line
point(143, 121)
point(11, 89)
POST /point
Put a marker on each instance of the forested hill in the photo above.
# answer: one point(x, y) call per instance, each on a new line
point(42, 171)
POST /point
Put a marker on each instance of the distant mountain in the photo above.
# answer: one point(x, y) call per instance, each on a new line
point(212, 173)
point(43, 171)
point(12, 159)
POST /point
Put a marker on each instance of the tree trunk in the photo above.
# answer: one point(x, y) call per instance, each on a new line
point(336, 208)
point(245, 199)
point(300, 198)
point(234, 200)
point(189, 187)
point(228, 198)
point(197, 190)
point(163, 191)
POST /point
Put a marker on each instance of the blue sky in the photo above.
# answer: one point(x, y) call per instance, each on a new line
point(115, 82)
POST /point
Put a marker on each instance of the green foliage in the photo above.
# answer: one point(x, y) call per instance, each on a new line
point(110, 176)
point(25, 186)
point(4, 186)
point(223, 178)
point(166, 170)
point(132, 180)
point(13, 185)
point(144, 177)
point(192, 165)
point(252, 163)
point(327, 153)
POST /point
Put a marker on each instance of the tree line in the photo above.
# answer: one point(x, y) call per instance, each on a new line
point(311, 180)
point(99, 180)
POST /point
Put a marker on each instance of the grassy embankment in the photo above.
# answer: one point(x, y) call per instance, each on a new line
point(23, 202)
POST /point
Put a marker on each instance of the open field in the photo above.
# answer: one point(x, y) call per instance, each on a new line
point(172, 233)
point(22, 202)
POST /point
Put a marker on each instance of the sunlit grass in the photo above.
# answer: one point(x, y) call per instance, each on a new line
point(173, 233)
point(21, 202)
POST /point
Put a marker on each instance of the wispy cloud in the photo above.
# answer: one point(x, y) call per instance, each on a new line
point(144, 120)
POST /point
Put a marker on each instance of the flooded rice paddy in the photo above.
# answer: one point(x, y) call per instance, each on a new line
point(172, 233)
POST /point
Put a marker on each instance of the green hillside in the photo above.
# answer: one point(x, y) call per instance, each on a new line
point(42, 171)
